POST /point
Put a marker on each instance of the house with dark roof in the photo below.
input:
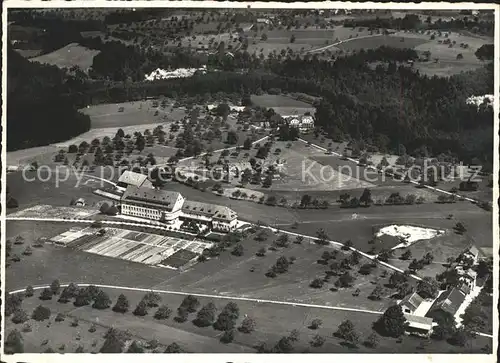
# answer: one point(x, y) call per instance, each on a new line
point(221, 217)
point(155, 204)
point(449, 301)
point(411, 303)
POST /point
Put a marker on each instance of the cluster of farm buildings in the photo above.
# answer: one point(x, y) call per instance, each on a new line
point(138, 198)
point(420, 312)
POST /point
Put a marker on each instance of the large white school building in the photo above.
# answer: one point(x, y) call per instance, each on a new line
point(169, 207)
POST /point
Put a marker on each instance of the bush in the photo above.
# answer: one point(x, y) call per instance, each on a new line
point(317, 341)
point(59, 317)
point(316, 283)
point(315, 324)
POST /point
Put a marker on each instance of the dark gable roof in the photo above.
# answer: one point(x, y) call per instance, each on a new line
point(449, 301)
point(151, 197)
point(208, 210)
point(414, 300)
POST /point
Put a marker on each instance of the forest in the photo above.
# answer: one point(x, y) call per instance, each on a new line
point(42, 104)
point(383, 105)
point(412, 22)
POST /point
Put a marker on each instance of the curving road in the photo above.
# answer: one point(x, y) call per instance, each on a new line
point(211, 296)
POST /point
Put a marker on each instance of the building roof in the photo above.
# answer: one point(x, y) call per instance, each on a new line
point(413, 300)
point(419, 322)
point(473, 251)
point(209, 210)
point(449, 301)
point(131, 178)
point(151, 197)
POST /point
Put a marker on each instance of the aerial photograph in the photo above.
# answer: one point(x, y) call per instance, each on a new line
point(240, 180)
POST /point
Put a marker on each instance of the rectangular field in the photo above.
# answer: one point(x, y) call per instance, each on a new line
point(69, 56)
point(49, 211)
point(373, 42)
point(137, 247)
point(279, 101)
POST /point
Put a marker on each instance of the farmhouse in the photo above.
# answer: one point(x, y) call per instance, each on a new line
point(418, 325)
point(304, 123)
point(170, 207)
point(414, 308)
point(133, 179)
point(411, 303)
point(449, 301)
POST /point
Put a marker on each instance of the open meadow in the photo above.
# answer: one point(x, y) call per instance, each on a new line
point(69, 56)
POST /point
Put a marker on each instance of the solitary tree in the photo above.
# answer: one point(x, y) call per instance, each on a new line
point(315, 324)
point(317, 341)
point(173, 348)
point(163, 312)
point(141, 309)
point(29, 291)
point(122, 304)
point(14, 343)
point(20, 316)
point(46, 294)
point(347, 332)
point(227, 318)
point(40, 313)
point(135, 348)
point(206, 315)
point(392, 322)
point(406, 255)
point(102, 301)
point(247, 325)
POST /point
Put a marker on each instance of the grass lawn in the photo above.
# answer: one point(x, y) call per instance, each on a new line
point(379, 41)
point(231, 275)
point(67, 265)
point(279, 101)
point(272, 322)
point(68, 56)
point(448, 64)
point(134, 113)
point(31, 193)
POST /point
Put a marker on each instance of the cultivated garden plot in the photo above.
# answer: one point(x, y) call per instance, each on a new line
point(143, 248)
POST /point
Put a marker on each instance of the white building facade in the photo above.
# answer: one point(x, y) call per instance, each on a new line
point(171, 207)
